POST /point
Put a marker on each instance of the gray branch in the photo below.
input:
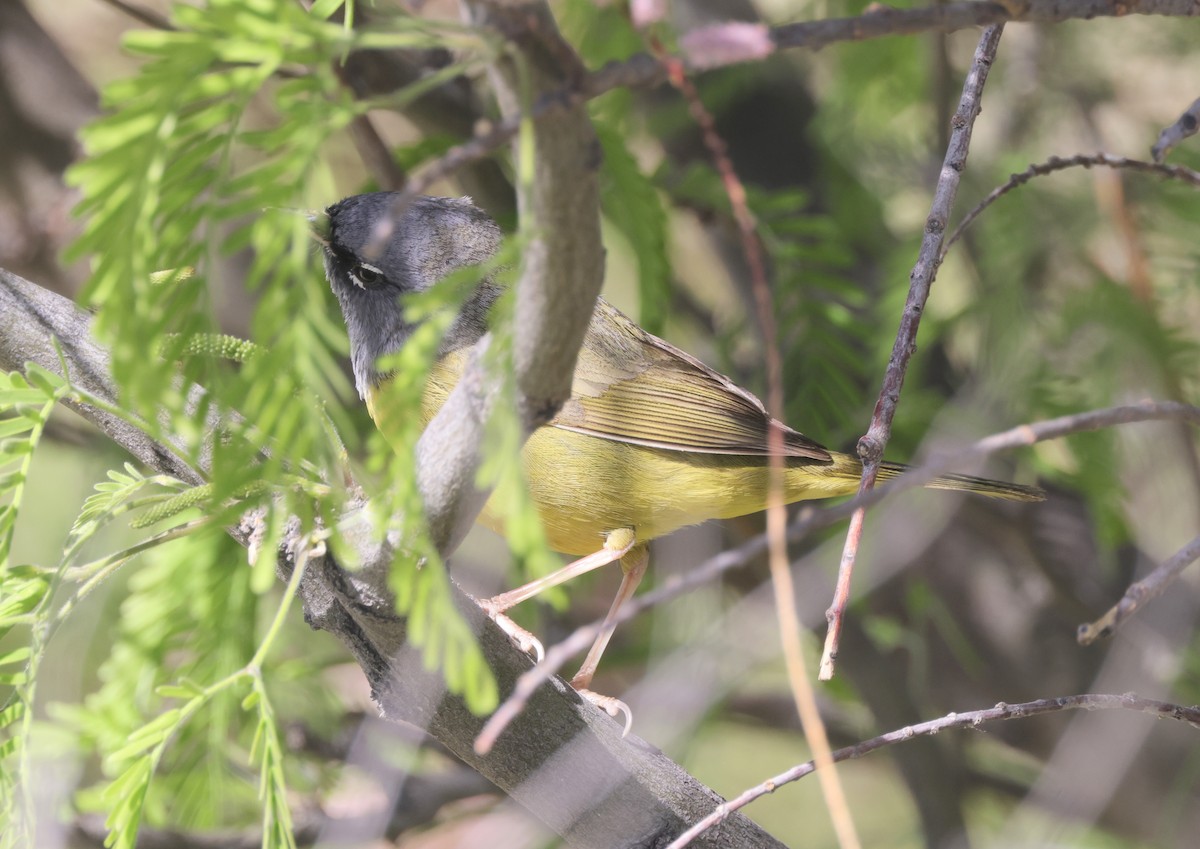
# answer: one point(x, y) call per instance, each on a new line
point(642, 70)
point(563, 759)
point(562, 271)
point(1184, 128)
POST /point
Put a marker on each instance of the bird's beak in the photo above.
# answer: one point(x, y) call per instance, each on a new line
point(319, 227)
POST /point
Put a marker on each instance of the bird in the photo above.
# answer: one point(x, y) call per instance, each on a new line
point(650, 440)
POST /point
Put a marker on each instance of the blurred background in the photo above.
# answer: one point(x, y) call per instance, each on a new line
point(1075, 292)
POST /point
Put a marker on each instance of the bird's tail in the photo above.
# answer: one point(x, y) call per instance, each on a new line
point(968, 483)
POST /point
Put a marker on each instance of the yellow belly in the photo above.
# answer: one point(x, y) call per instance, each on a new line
point(586, 486)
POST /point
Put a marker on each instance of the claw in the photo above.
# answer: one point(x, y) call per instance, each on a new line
point(612, 706)
point(524, 639)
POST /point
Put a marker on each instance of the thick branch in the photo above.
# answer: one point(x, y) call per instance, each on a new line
point(565, 760)
point(562, 270)
point(31, 319)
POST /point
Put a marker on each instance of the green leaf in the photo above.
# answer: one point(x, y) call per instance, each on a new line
point(182, 690)
point(632, 205)
point(12, 427)
point(324, 9)
point(11, 714)
point(16, 447)
point(127, 794)
point(149, 735)
point(21, 595)
point(15, 397)
point(44, 379)
point(19, 655)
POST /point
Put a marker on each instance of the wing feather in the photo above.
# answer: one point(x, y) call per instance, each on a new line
point(633, 387)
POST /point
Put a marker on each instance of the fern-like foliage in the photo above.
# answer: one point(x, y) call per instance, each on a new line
point(226, 124)
point(25, 406)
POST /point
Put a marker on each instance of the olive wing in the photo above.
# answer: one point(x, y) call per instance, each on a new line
point(633, 387)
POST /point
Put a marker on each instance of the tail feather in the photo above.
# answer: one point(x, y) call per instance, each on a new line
point(969, 483)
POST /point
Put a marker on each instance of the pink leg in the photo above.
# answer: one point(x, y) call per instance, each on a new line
point(582, 566)
point(616, 545)
point(634, 564)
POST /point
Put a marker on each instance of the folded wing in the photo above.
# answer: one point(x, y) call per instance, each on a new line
point(633, 387)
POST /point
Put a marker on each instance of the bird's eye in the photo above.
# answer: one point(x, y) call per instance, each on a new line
point(366, 276)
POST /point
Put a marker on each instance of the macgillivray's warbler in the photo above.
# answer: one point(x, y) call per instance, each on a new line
point(651, 439)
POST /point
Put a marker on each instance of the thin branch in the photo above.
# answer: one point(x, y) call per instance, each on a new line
point(973, 719)
point(777, 555)
point(1186, 127)
point(645, 71)
point(882, 21)
point(871, 446)
point(1147, 589)
point(1055, 163)
point(813, 518)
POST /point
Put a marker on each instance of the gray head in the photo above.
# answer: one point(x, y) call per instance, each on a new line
point(373, 255)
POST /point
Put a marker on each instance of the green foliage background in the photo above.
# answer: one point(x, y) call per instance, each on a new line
point(235, 119)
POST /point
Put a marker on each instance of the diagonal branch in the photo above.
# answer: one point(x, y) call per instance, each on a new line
point(1059, 163)
point(871, 446)
point(566, 762)
point(1147, 589)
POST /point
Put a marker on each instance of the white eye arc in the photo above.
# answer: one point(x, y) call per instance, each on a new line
point(366, 276)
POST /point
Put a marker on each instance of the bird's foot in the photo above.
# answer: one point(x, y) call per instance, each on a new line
point(524, 639)
point(610, 705)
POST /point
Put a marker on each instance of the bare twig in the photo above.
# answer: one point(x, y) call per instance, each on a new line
point(973, 719)
point(1028, 434)
point(813, 518)
point(1055, 163)
point(871, 446)
point(777, 554)
point(1150, 587)
point(881, 21)
point(376, 155)
point(645, 71)
point(1186, 127)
